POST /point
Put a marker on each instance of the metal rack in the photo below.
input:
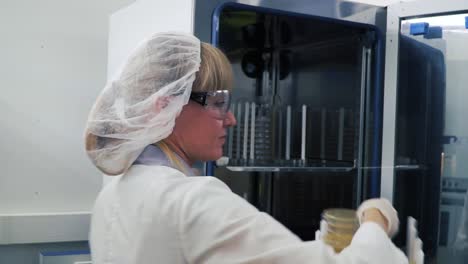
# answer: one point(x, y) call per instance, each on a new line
point(296, 165)
point(278, 138)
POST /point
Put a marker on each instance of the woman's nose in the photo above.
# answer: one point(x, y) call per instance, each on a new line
point(230, 119)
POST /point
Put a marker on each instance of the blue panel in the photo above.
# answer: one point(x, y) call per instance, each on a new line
point(66, 253)
point(434, 33)
point(419, 28)
point(210, 168)
point(466, 22)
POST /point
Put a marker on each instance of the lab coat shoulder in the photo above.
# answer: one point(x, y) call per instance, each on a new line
point(136, 211)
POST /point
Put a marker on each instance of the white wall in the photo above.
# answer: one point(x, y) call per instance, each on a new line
point(53, 64)
point(130, 25)
point(457, 80)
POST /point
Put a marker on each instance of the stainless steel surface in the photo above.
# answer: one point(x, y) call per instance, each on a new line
point(407, 9)
point(408, 167)
point(387, 177)
point(289, 169)
point(295, 165)
point(365, 84)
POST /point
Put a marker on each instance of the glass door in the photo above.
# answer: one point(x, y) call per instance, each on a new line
point(431, 134)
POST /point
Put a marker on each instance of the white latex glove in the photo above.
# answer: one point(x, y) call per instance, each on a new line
point(387, 210)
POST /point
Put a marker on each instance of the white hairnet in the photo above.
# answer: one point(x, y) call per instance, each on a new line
point(140, 105)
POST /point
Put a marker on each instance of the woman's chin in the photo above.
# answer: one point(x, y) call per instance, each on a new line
point(217, 155)
point(212, 156)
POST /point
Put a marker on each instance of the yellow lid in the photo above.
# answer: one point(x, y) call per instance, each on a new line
point(340, 214)
point(341, 220)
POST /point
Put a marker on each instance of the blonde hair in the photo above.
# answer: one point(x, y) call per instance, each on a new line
point(171, 156)
point(215, 73)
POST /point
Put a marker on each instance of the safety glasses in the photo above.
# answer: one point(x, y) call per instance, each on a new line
point(217, 103)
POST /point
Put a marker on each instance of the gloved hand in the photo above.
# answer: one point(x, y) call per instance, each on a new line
point(387, 210)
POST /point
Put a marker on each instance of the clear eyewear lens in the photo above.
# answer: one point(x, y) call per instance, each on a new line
point(218, 103)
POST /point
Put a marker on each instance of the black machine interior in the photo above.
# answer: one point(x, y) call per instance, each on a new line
point(280, 60)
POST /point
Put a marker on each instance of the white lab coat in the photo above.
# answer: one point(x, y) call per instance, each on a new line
point(156, 214)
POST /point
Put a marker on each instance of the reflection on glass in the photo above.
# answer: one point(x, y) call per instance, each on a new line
point(432, 132)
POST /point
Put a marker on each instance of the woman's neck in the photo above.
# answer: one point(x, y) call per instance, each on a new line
point(177, 149)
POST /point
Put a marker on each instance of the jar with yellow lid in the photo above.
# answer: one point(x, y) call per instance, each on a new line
point(341, 224)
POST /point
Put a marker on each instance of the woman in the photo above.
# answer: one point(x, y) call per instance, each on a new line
point(167, 109)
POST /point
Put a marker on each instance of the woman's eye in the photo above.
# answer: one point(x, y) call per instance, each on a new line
point(219, 104)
